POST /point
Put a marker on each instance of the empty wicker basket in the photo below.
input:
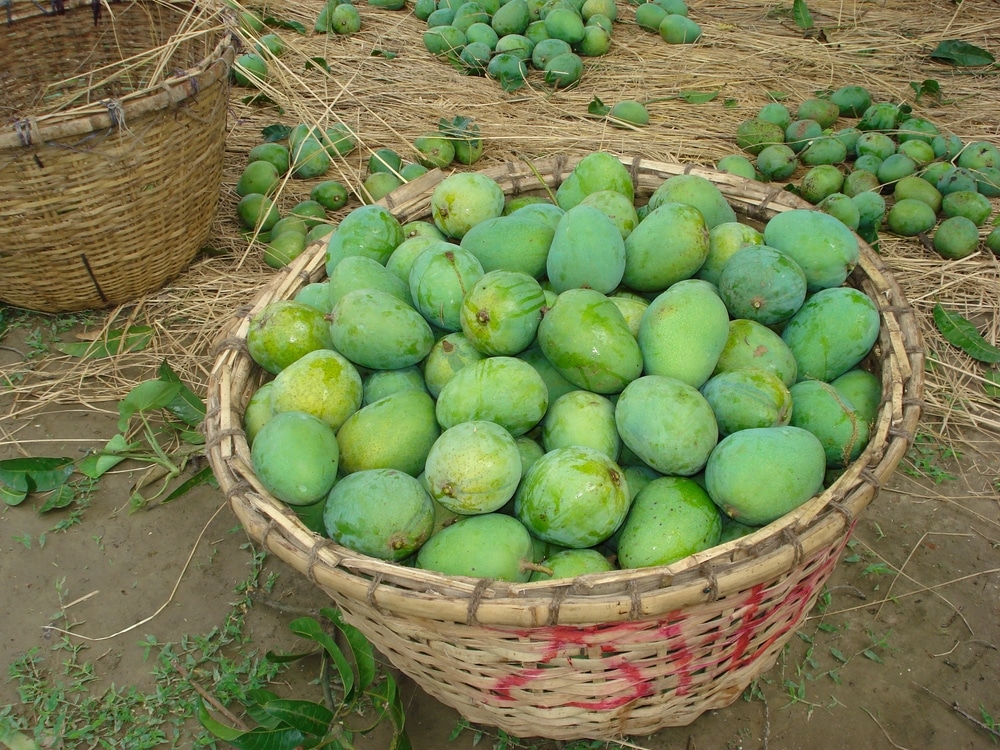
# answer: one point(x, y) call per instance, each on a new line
point(603, 655)
point(113, 132)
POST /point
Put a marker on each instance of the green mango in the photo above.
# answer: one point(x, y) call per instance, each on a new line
point(375, 329)
point(473, 467)
point(555, 383)
point(361, 272)
point(763, 284)
point(309, 160)
point(367, 230)
point(683, 332)
point(756, 134)
point(450, 353)
point(588, 342)
point(439, 279)
point(378, 384)
point(667, 423)
point(323, 383)
point(670, 518)
point(284, 330)
point(723, 241)
point(851, 100)
point(570, 563)
point(463, 199)
point(747, 398)
point(573, 496)
point(670, 244)
point(296, 457)
point(587, 250)
point(696, 191)
point(401, 260)
point(827, 414)
point(548, 213)
point(395, 432)
point(825, 249)
point(512, 18)
point(383, 513)
point(632, 308)
point(530, 451)
point(756, 476)
point(258, 410)
point(490, 545)
point(582, 418)
point(500, 389)
point(753, 345)
point(515, 242)
point(616, 207)
point(596, 171)
point(501, 312)
point(832, 332)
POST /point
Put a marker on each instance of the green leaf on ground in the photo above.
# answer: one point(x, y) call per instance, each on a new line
point(150, 394)
point(61, 497)
point(305, 716)
point(13, 487)
point(203, 476)
point(800, 12)
point(280, 23)
point(276, 132)
point(186, 406)
point(992, 384)
point(698, 97)
point(308, 627)
point(132, 339)
point(318, 62)
point(97, 464)
point(957, 52)
point(597, 107)
point(961, 332)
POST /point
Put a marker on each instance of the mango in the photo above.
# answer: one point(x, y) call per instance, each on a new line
point(827, 414)
point(395, 432)
point(555, 383)
point(832, 332)
point(439, 279)
point(670, 518)
point(377, 330)
point(361, 272)
point(723, 242)
point(763, 284)
point(530, 451)
point(473, 467)
point(588, 342)
point(596, 171)
point(587, 250)
point(570, 563)
point(863, 389)
point(378, 384)
point(683, 332)
point(500, 389)
point(756, 134)
point(448, 355)
point(370, 231)
point(463, 199)
point(516, 242)
point(284, 330)
point(323, 383)
point(502, 311)
point(753, 345)
point(616, 207)
point(632, 307)
point(696, 191)
point(667, 423)
point(258, 410)
point(756, 476)
point(383, 513)
point(748, 398)
point(296, 457)
point(669, 245)
point(582, 418)
point(825, 249)
point(490, 545)
point(402, 258)
point(573, 496)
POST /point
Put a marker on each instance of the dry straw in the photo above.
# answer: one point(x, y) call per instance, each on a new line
point(599, 656)
point(112, 148)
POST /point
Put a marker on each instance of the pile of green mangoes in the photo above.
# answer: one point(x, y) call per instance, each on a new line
point(669, 19)
point(502, 39)
point(547, 386)
point(306, 153)
point(936, 184)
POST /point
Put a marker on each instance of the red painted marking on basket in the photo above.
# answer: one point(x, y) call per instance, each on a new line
point(680, 655)
point(748, 622)
point(641, 687)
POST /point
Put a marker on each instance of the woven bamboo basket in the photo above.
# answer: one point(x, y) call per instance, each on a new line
point(604, 655)
point(113, 132)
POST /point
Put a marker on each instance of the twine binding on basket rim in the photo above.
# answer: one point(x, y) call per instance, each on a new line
point(624, 652)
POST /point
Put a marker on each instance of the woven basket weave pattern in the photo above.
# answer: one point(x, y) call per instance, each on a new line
point(620, 653)
point(107, 191)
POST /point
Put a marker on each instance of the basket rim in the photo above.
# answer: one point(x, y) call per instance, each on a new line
point(617, 596)
point(107, 114)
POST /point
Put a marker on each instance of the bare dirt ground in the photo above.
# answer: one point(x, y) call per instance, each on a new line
point(110, 617)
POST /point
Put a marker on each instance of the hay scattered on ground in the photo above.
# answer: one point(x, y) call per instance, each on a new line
point(749, 53)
